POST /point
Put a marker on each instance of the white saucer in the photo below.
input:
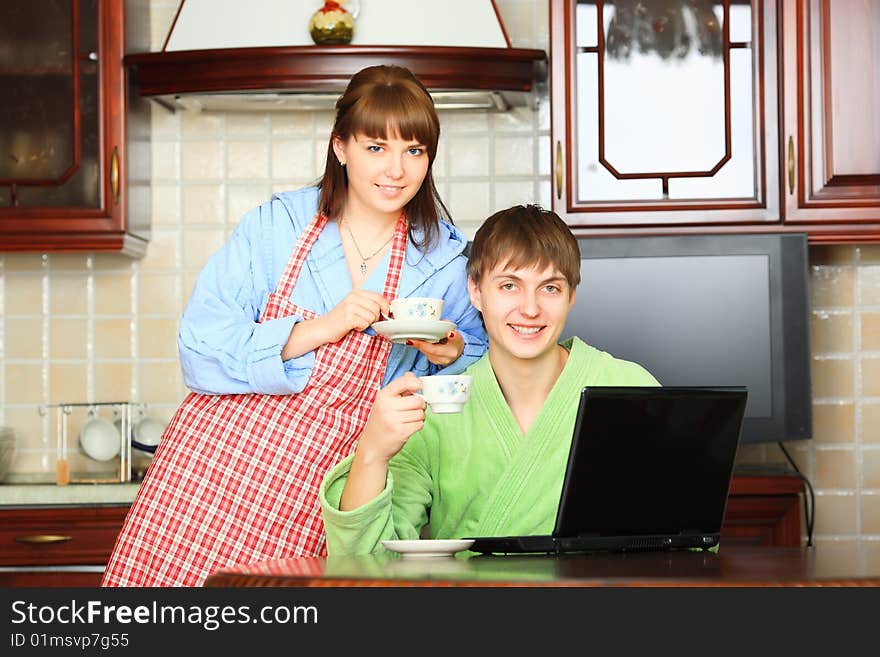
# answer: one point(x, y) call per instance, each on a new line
point(429, 548)
point(401, 330)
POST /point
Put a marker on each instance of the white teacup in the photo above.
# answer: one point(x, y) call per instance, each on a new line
point(99, 439)
point(146, 434)
point(446, 393)
point(418, 308)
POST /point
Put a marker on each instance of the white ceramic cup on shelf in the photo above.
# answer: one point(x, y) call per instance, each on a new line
point(99, 438)
point(416, 308)
point(145, 431)
point(446, 393)
point(146, 434)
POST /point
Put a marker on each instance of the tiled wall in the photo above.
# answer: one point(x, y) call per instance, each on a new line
point(843, 459)
point(102, 327)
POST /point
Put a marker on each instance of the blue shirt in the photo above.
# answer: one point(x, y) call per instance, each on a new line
point(223, 349)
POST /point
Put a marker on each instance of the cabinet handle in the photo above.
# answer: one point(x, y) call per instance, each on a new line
point(558, 169)
point(114, 175)
point(790, 165)
point(42, 539)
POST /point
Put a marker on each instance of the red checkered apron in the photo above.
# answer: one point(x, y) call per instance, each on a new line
point(235, 478)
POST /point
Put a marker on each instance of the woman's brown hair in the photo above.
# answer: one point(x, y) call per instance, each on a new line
point(380, 99)
point(525, 236)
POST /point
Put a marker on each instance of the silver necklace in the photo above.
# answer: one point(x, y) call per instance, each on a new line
point(364, 258)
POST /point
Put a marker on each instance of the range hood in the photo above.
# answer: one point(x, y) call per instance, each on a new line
point(230, 55)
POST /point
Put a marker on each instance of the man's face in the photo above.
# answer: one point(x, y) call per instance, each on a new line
point(524, 310)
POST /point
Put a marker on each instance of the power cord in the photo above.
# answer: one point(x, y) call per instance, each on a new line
point(809, 509)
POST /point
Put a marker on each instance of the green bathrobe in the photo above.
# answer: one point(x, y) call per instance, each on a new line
point(474, 471)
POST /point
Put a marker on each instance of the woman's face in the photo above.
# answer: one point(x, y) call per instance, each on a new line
point(383, 174)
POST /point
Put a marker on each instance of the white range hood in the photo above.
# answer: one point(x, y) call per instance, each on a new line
point(210, 24)
point(258, 55)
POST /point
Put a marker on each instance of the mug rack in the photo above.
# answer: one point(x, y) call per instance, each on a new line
point(86, 471)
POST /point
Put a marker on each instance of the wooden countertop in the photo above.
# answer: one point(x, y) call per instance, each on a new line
point(730, 567)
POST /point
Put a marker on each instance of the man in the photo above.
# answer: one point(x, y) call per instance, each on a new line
point(497, 467)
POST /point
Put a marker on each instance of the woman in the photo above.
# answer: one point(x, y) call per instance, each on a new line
point(276, 345)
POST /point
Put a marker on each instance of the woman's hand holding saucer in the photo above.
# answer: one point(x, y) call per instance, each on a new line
point(443, 352)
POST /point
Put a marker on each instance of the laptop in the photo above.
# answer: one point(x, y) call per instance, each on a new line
point(649, 468)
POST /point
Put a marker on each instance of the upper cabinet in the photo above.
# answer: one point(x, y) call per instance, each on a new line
point(831, 116)
point(74, 154)
point(675, 116)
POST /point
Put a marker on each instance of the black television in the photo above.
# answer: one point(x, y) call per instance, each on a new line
point(707, 310)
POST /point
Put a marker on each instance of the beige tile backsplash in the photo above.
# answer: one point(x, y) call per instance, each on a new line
point(871, 376)
point(832, 332)
point(837, 515)
point(834, 423)
point(833, 377)
point(113, 338)
point(870, 330)
point(832, 286)
point(23, 294)
point(27, 336)
point(836, 469)
point(870, 513)
point(869, 284)
point(68, 338)
point(869, 422)
point(24, 386)
point(103, 328)
point(871, 469)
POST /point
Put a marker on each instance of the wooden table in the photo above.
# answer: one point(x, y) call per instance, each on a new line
point(731, 567)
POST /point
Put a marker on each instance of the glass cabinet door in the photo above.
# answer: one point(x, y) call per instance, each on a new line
point(658, 112)
point(70, 137)
point(50, 152)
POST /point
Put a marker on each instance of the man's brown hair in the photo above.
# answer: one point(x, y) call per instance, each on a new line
point(379, 100)
point(525, 236)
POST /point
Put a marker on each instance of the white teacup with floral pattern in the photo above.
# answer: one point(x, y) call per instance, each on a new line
point(446, 393)
point(416, 308)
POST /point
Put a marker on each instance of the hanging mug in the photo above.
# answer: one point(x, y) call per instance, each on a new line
point(98, 438)
point(146, 433)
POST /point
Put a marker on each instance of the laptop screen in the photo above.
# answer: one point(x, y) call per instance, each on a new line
point(650, 461)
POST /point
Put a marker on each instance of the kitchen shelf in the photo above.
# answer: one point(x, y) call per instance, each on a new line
point(164, 75)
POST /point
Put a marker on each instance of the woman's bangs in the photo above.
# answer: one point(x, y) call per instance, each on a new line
point(380, 113)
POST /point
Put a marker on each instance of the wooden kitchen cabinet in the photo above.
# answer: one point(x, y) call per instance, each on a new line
point(74, 149)
point(831, 119)
point(57, 536)
point(763, 510)
point(726, 116)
